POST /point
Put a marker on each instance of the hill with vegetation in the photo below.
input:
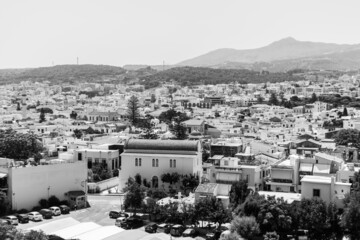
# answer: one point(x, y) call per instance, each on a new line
point(62, 73)
point(188, 76)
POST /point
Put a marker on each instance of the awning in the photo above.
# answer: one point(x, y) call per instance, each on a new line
point(322, 168)
point(2, 175)
point(306, 167)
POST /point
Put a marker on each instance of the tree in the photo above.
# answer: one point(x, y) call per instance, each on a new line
point(4, 204)
point(178, 129)
point(77, 133)
point(271, 236)
point(345, 112)
point(313, 98)
point(168, 116)
point(73, 115)
point(133, 110)
point(260, 99)
point(273, 99)
point(42, 116)
point(153, 98)
point(348, 137)
point(189, 181)
point(148, 129)
point(350, 218)
point(138, 178)
point(19, 146)
point(134, 197)
point(238, 193)
point(246, 227)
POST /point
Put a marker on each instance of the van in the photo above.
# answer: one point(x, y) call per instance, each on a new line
point(55, 210)
point(46, 213)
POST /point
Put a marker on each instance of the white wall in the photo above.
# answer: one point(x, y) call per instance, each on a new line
point(185, 164)
point(27, 186)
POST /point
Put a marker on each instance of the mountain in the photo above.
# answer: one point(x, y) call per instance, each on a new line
point(282, 50)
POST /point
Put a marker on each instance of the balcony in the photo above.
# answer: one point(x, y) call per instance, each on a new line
point(228, 169)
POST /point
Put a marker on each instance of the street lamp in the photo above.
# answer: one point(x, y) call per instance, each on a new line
point(48, 192)
point(14, 206)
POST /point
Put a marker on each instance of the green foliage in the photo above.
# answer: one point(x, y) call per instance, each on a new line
point(178, 129)
point(345, 112)
point(42, 116)
point(153, 98)
point(138, 178)
point(133, 110)
point(246, 227)
point(170, 178)
point(260, 99)
point(77, 133)
point(271, 236)
point(134, 197)
point(53, 201)
point(212, 209)
point(189, 181)
point(19, 146)
point(73, 115)
point(313, 98)
point(44, 203)
point(99, 172)
point(45, 110)
point(273, 99)
point(188, 76)
point(348, 136)
point(4, 204)
point(238, 193)
point(148, 129)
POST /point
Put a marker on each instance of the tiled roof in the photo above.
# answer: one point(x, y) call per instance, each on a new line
point(175, 145)
point(206, 188)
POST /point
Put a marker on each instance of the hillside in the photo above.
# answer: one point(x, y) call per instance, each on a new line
point(62, 73)
point(284, 49)
point(188, 76)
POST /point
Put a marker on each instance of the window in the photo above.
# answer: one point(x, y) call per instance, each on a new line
point(116, 162)
point(226, 163)
point(136, 162)
point(174, 163)
point(153, 162)
point(317, 161)
point(96, 161)
point(157, 162)
point(171, 163)
point(139, 162)
point(113, 164)
point(79, 156)
point(89, 164)
point(316, 192)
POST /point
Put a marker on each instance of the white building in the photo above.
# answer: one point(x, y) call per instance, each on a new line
point(152, 158)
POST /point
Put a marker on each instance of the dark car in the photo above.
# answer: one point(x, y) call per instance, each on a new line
point(23, 218)
point(190, 232)
point(214, 235)
point(177, 230)
point(46, 213)
point(151, 228)
point(64, 209)
point(117, 214)
point(131, 223)
point(164, 228)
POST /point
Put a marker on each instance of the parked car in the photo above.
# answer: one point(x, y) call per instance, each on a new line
point(119, 220)
point(35, 216)
point(46, 213)
point(151, 228)
point(190, 232)
point(23, 218)
point(214, 235)
point(177, 230)
point(117, 214)
point(131, 222)
point(12, 220)
point(55, 210)
point(64, 209)
point(4, 222)
point(164, 228)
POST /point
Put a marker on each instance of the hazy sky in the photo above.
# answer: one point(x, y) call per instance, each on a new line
point(37, 33)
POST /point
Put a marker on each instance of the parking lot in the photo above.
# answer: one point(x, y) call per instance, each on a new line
point(98, 213)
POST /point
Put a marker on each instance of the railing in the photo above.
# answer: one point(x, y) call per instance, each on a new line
point(228, 169)
point(278, 180)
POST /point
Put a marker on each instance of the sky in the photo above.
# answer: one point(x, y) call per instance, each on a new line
point(40, 33)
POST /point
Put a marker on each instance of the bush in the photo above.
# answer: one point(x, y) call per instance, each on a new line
point(115, 173)
point(158, 194)
point(97, 190)
point(36, 208)
point(64, 202)
point(23, 210)
point(43, 203)
point(54, 201)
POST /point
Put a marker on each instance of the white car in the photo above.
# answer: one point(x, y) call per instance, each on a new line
point(35, 216)
point(12, 220)
point(56, 211)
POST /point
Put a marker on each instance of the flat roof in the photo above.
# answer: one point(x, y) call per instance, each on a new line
point(316, 179)
point(288, 197)
point(321, 168)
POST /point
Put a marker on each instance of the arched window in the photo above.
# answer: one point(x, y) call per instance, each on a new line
point(153, 162)
point(171, 163)
point(136, 162)
point(157, 162)
point(155, 182)
point(139, 162)
point(174, 163)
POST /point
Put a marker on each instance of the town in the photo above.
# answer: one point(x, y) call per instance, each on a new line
point(270, 160)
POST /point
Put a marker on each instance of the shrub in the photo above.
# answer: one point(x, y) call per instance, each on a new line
point(54, 201)
point(36, 208)
point(64, 202)
point(43, 203)
point(23, 210)
point(97, 190)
